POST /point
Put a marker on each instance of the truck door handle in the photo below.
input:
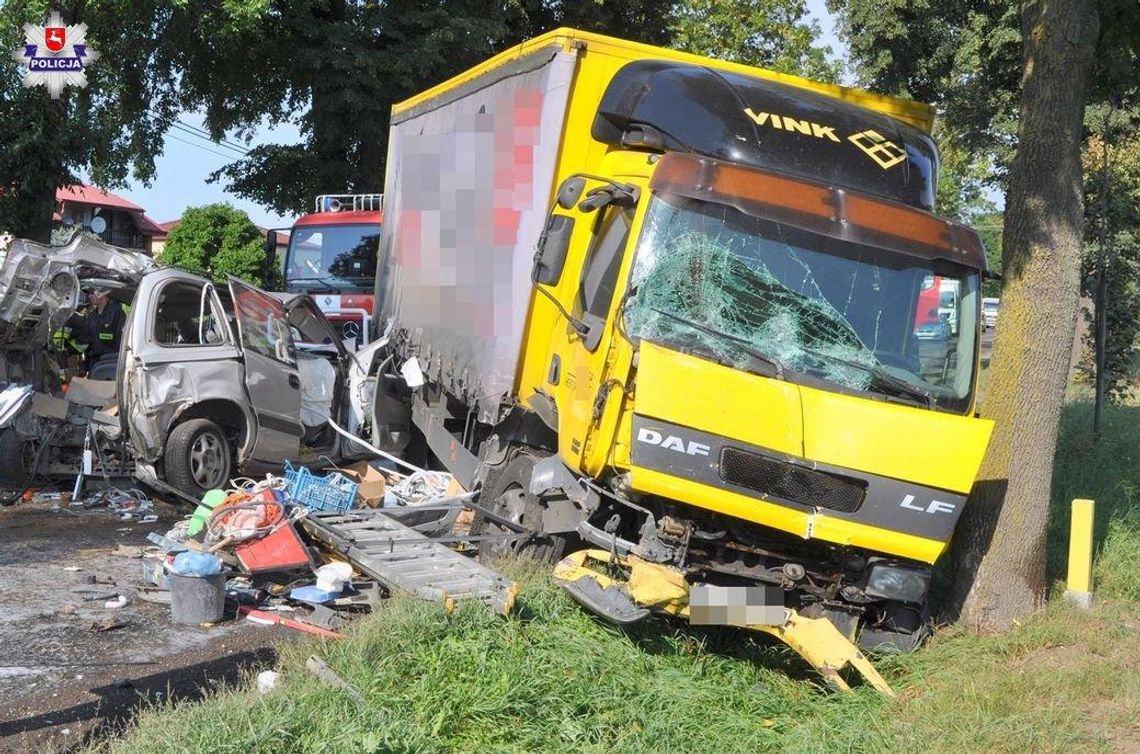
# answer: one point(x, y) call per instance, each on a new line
point(294, 381)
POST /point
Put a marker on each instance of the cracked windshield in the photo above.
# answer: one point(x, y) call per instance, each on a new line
point(718, 283)
point(340, 257)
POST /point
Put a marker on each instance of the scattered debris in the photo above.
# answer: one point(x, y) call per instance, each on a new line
point(267, 681)
point(321, 669)
point(109, 624)
point(423, 487)
point(129, 551)
point(268, 619)
point(306, 551)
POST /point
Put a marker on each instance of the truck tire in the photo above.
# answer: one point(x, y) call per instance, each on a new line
point(197, 457)
point(507, 494)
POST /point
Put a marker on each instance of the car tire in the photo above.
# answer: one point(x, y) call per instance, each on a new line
point(13, 458)
point(198, 457)
point(507, 494)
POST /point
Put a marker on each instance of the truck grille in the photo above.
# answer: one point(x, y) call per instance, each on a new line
point(790, 482)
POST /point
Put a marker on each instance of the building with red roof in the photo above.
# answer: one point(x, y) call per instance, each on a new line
point(114, 219)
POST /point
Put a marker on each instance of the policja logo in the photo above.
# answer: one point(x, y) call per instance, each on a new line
point(55, 55)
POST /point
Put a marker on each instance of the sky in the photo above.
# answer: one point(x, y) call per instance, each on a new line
point(188, 159)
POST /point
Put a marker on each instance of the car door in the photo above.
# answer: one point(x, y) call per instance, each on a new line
point(583, 360)
point(175, 347)
point(271, 378)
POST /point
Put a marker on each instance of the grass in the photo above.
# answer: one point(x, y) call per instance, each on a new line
point(556, 680)
point(1108, 471)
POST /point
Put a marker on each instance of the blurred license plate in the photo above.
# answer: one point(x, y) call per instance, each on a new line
point(736, 605)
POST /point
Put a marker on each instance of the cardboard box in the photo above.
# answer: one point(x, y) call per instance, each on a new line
point(48, 406)
point(93, 393)
point(371, 481)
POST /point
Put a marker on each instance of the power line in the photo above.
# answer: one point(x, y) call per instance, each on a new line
point(204, 149)
point(206, 134)
point(188, 132)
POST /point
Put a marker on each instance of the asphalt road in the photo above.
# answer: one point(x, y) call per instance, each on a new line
point(72, 669)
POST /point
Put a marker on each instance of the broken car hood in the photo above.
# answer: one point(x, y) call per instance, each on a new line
point(41, 286)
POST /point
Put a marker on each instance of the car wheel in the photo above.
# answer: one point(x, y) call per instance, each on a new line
point(197, 457)
point(507, 495)
point(14, 457)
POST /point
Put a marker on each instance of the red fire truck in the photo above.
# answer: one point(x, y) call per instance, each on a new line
point(332, 256)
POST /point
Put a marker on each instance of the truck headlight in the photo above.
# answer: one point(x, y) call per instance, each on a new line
point(897, 582)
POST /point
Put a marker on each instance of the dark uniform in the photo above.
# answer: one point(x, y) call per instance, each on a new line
point(100, 330)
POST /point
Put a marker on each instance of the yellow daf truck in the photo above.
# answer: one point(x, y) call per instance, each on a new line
point(678, 318)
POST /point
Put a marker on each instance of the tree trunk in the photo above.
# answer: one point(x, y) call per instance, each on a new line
point(999, 551)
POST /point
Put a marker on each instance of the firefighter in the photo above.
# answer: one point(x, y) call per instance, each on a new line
point(100, 327)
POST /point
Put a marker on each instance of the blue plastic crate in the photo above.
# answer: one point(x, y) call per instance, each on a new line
point(334, 492)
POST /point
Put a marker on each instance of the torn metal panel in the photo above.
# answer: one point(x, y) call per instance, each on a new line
point(157, 395)
point(41, 286)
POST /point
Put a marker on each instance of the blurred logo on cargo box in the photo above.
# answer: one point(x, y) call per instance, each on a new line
point(55, 55)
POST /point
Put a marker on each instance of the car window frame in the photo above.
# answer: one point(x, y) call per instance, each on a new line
point(218, 310)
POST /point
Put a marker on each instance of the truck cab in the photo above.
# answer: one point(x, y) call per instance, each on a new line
point(331, 255)
point(695, 335)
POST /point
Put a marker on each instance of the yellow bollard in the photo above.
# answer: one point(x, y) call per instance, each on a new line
point(1078, 586)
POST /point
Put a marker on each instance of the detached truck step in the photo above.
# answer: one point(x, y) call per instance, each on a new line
point(403, 559)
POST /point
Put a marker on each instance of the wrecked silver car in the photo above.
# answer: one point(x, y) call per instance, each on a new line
point(210, 380)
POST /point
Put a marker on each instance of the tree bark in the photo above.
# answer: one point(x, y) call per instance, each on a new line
point(999, 550)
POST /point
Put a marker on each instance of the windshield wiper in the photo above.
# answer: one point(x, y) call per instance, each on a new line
point(901, 386)
point(323, 281)
point(744, 345)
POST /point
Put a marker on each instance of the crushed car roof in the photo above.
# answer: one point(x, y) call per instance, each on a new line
point(41, 286)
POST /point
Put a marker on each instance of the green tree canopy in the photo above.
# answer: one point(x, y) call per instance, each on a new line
point(333, 67)
point(337, 67)
point(112, 129)
point(1112, 239)
point(774, 34)
point(217, 240)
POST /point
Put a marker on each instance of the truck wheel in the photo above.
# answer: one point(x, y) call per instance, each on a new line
point(197, 457)
point(14, 459)
point(507, 494)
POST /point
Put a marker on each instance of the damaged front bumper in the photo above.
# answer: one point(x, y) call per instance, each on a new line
point(626, 589)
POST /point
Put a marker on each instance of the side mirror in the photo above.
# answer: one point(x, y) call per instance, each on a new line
point(553, 245)
point(621, 194)
point(270, 255)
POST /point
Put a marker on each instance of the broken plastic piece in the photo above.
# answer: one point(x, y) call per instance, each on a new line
point(665, 590)
point(412, 374)
point(267, 681)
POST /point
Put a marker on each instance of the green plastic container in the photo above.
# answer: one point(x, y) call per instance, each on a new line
point(202, 513)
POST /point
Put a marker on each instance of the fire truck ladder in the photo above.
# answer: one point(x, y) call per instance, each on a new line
point(350, 203)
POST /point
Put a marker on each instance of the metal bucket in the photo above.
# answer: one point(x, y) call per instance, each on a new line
point(197, 599)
